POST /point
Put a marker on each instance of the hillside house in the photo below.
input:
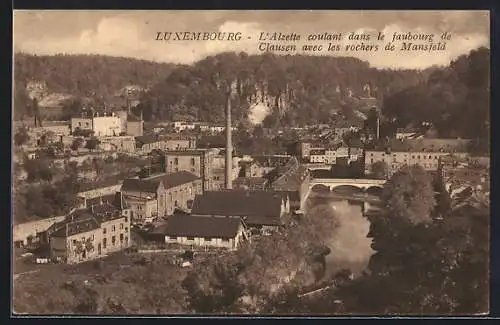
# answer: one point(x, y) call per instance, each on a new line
point(87, 234)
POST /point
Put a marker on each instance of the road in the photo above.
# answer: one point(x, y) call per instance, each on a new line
point(372, 199)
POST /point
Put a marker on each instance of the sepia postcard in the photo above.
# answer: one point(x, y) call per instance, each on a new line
point(243, 163)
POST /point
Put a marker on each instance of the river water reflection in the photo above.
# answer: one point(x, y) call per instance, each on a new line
point(349, 244)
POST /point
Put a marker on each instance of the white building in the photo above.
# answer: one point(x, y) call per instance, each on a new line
point(317, 156)
point(103, 124)
point(327, 156)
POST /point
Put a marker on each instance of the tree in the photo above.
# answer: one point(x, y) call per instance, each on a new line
point(21, 136)
point(36, 111)
point(77, 144)
point(71, 168)
point(92, 143)
point(214, 290)
point(409, 195)
point(256, 275)
point(98, 165)
point(39, 169)
point(380, 170)
point(36, 204)
point(77, 132)
point(437, 268)
point(341, 170)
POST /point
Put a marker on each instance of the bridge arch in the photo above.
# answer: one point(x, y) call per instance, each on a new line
point(374, 190)
point(320, 188)
point(346, 189)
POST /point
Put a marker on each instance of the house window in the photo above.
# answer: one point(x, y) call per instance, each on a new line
point(192, 161)
point(121, 238)
point(74, 241)
point(176, 161)
point(190, 238)
point(121, 225)
point(418, 157)
point(92, 238)
point(113, 240)
point(126, 219)
point(104, 231)
point(126, 240)
point(430, 157)
point(105, 242)
point(207, 239)
point(126, 228)
point(113, 228)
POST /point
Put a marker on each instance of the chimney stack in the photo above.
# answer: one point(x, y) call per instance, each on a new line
point(229, 145)
point(378, 126)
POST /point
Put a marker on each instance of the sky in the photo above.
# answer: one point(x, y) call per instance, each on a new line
point(132, 33)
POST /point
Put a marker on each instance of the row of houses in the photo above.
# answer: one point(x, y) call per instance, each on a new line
point(181, 199)
point(320, 154)
point(425, 152)
point(147, 143)
point(180, 126)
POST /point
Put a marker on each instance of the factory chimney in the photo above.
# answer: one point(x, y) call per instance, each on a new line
point(378, 126)
point(229, 145)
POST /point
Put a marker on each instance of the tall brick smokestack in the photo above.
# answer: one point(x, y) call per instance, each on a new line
point(229, 145)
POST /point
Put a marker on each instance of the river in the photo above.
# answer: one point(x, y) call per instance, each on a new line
point(349, 244)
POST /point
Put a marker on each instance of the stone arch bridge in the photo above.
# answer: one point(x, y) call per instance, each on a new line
point(346, 186)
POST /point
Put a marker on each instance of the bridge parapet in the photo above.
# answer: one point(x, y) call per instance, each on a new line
point(348, 181)
point(332, 183)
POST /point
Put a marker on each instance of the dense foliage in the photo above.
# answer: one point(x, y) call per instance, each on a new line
point(437, 268)
point(81, 75)
point(409, 195)
point(455, 99)
point(298, 89)
point(250, 280)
